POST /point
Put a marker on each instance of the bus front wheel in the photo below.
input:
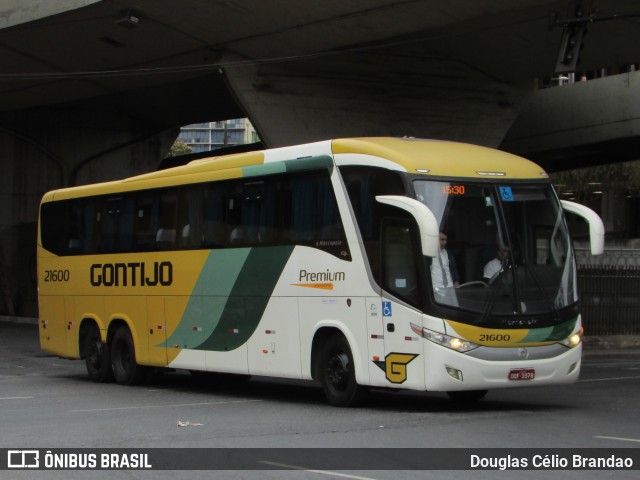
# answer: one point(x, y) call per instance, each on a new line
point(337, 374)
point(97, 357)
point(123, 359)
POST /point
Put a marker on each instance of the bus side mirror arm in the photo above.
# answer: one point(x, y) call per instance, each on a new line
point(596, 227)
point(424, 217)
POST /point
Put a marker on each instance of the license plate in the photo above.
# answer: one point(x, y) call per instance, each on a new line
point(522, 374)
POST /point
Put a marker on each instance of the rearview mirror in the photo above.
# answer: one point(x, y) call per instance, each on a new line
point(596, 227)
point(424, 217)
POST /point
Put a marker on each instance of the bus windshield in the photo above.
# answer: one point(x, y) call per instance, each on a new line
point(507, 248)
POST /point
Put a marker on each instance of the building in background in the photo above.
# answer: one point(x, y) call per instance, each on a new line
point(202, 137)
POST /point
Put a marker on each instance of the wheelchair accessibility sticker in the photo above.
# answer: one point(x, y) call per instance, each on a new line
point(506, 194)
point(386, 309)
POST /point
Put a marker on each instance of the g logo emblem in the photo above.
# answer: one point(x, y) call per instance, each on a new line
point(395, 366)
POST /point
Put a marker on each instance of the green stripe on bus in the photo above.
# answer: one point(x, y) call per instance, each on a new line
point(249, 298)
point(209, 297)
point(265, 169)
point(297, 165)
point(551, 334)
point(311, 163)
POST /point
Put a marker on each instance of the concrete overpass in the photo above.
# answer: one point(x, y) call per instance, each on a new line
point(580, 124)
point(96, 89)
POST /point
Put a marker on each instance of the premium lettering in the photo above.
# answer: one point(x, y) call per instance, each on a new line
point(132, 274)
point(327, 276)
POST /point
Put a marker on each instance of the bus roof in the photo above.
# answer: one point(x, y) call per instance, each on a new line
point(443, 158)
point(430, 157)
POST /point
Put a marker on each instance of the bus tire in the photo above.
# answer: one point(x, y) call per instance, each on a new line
point(468, 396)
point(123, 359)
point(337, 374)
point(97, 357)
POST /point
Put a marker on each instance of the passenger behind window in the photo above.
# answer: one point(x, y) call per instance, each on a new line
point(166, 238)
point(185, 237)
point(236, 236)
point(73, 246)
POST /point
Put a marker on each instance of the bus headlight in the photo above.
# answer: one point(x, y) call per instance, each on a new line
point(573, 340)
point(454, 343)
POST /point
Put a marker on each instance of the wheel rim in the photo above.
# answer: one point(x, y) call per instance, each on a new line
point(123, 357)
point(338, 372)
point(94, 354)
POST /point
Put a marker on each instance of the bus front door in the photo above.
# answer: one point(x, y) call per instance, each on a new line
point(399, 305)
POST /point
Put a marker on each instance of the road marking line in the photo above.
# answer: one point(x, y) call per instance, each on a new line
point(162, 406)
point(15, 398)
point(608, 379)
point(616, 364)
point(619, 438)
point(321, 472)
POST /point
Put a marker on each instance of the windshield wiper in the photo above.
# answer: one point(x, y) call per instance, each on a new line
point(540, 287)
point(500, 284)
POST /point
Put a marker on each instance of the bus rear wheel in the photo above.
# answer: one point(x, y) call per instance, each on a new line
point(123, 359)
point(337, 374)
point(97, 357)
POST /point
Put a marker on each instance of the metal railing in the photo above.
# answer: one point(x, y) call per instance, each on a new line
point(610, 299)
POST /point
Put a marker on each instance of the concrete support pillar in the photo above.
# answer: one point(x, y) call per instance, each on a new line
point(44, 151)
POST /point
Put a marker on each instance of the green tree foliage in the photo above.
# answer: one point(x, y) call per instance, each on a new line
point(624, 175)
point(179, 148)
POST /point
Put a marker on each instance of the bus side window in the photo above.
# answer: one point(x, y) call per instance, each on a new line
point(213, 214)
point(167, 218)
point(144, 229)
point(311, 215)
point(399, 259)
point(250, 212)
point(190, 216)
point(231, 218)
point(53, 226)
point(363, 185)
point(259, 211)
point(303, 209)
point(74, 230)
point(115, 217)
point(107, 218)
point(124, 242)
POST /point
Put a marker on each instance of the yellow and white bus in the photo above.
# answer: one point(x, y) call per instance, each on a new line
point(320, 261)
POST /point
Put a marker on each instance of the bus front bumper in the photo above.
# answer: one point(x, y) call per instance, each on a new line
point(454, 371)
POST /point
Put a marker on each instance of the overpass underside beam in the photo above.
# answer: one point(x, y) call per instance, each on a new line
point(579, 125)
point(370, 95)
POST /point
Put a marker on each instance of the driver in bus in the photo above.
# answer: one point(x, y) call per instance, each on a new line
point(444, 272)
point(495, 266)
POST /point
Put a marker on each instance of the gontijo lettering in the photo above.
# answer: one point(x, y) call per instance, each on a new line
point(131, 274)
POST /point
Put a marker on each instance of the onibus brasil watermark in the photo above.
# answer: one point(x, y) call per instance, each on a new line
point(320, 459)
point(49, 460)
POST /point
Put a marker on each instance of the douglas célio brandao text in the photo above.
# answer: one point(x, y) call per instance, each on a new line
point(550, 462)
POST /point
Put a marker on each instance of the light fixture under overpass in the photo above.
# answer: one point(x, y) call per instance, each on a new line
point(580, 14)
point(574, 30)
point(129, 19)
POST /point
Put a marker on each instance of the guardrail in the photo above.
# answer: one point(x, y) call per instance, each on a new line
point(610, 299)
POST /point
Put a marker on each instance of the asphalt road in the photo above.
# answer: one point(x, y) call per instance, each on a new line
point(47, 402)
